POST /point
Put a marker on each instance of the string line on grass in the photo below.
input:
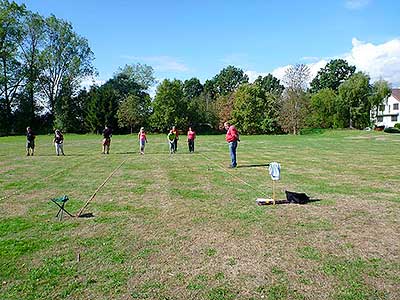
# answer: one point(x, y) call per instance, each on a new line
point(230, 173)
point(99, 187)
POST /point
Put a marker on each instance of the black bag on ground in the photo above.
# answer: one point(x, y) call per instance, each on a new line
point(297, 198)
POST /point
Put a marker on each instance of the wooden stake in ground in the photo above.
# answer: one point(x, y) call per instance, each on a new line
point(98, 189)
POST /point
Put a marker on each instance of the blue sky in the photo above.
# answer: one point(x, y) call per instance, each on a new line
point(184, 39)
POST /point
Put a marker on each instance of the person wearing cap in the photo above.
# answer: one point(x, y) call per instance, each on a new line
point(232, 137)
point(142, 140)
point(59, 142)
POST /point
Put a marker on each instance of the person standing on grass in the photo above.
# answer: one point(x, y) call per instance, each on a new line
point(175, 131)
point(191, 135)
point(142, 140)
point(107, 134)
point(59, 142)
point(171, 140)
point(30, 141)
point(232, 137)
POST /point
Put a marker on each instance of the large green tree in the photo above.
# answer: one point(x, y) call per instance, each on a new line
point(228, 80)
point(323, 110)
point(295, 100)
point(70, 109)
point(94, 115)
point(192, 88)
point(223, 108)
point(380, 92)
point(122, 101)
point(66, 56)
point(11, 69)
point(134, 111)
point(31, 47)
point(196, 109)
point(255, 111)
point(332, 75)
point(169, 106)
point(270, 84)
point(355, 103)
point(141, 74)
point(210, 91)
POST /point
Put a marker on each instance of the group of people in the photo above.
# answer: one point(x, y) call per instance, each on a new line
point(232, 137)
point(58, 141)
point(172, 137)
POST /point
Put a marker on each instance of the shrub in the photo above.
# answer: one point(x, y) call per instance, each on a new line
point(392, 130)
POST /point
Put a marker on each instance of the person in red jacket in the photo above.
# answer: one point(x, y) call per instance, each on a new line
point(191, 135)
point(232, 137)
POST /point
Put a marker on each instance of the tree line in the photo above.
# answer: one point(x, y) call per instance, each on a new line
point(43, 62)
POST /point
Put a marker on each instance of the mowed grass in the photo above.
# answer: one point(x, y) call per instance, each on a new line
point(187, 227)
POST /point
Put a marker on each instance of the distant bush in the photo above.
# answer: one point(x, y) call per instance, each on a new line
point(397, 125)
point(306, 131)
point(392, 130)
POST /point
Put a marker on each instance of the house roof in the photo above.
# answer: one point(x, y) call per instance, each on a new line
point(396, 94)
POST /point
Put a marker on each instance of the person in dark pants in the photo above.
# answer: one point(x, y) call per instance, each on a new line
point(191, 135)
point(30, 141)
point(171, 141)
point(107, 134)
point(175, 131)
point(232, 137)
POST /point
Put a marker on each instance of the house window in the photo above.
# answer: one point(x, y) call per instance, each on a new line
point(394, 118)
point(396, 106)
point(381, 107)
point(380, 119)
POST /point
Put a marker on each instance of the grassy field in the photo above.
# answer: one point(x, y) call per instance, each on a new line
point(187, 227)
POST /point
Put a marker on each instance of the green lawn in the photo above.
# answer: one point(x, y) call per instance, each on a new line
point(187, 227)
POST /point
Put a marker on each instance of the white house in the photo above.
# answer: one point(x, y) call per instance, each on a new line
point(388, 113)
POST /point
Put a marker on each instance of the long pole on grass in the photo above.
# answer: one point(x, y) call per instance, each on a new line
point(98, 189)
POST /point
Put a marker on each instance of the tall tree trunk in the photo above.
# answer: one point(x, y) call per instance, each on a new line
point(31, 91)
point(6, 97)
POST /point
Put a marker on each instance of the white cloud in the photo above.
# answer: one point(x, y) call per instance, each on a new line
point(356, 4)
point(161, 63)
point(281, 71)
point(381, 61)
point(315, 67)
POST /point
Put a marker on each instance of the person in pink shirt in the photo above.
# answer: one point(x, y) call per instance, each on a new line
point(142, 140)
point(191, 135)
point(232, 137)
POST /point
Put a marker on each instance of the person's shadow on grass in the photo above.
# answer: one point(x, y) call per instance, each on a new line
point(253, 166)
